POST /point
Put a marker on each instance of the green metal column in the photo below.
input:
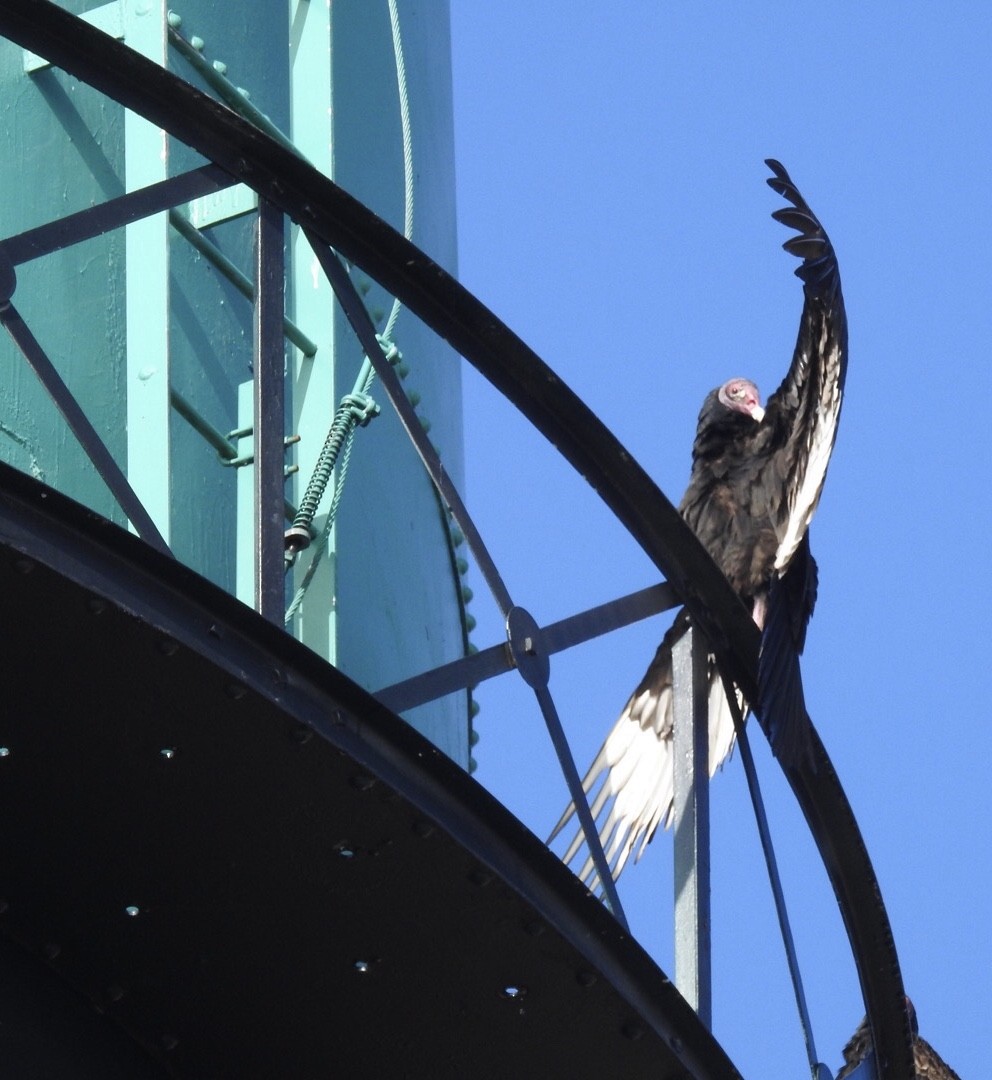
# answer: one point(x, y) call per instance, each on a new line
point(390, 573)
point(146, 161)
point(315, 390)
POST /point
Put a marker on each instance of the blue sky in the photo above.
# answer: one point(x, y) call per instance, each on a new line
point(613, 211)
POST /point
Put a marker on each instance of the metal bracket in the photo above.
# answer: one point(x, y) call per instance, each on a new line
point(248, 459)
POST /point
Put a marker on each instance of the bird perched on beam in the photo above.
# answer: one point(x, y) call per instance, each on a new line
point(757, 474)
point(927, 1063)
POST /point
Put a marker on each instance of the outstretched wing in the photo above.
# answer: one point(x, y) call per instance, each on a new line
point(630, 784)
point(803, 412)
point(801, 426)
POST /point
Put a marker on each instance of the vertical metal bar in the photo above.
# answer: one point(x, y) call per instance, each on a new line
point(692, 824)
point(269, 413)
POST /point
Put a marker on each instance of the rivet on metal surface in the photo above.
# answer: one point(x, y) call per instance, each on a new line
point(362, 966)
point(632, 1031)
point(4, 751)
point(23, 566)
point(533, 927)
point(513, 992)
point(526, 647)
point(236, 691)
point(168, 647)
point(480, 877)
point(169, 1042)
point(50, 950)
point(301, 735)
point(423, 829)
point(4, 907)
point(345, 850)
point(132, 911)
point(96, 606)
point(676, 1044)
point(363, 782)
point(586, 978)
point(167, 752)
point(115, 992)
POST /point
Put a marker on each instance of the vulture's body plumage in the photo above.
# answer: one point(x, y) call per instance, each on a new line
point(927, 1063)
point(756, 479)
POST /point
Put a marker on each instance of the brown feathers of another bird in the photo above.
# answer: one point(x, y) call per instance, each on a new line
point(927, 1063)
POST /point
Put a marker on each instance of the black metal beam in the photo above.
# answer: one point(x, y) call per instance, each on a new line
point(115, 213)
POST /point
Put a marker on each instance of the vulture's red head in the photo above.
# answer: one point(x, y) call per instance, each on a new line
point(742, 395)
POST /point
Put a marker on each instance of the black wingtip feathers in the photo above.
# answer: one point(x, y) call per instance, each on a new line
point(818, 270)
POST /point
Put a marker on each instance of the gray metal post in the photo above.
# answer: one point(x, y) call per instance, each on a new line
point(692, 824)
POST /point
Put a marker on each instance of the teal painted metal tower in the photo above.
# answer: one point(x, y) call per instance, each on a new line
point(150, 326)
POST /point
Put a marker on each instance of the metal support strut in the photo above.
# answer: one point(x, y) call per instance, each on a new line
point(693, 974)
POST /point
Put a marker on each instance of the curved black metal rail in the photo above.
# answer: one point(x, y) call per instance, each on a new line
point(320, 206)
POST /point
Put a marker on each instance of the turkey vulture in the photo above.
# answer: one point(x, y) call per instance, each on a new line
point(927, 1063)
point(757, 474)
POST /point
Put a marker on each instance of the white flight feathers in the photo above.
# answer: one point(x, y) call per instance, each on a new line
point(631, 782)
point(822, 433)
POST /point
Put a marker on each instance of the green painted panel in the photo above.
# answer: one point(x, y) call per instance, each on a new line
point(62, 150)
point(397, 593)
point(146, 316)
